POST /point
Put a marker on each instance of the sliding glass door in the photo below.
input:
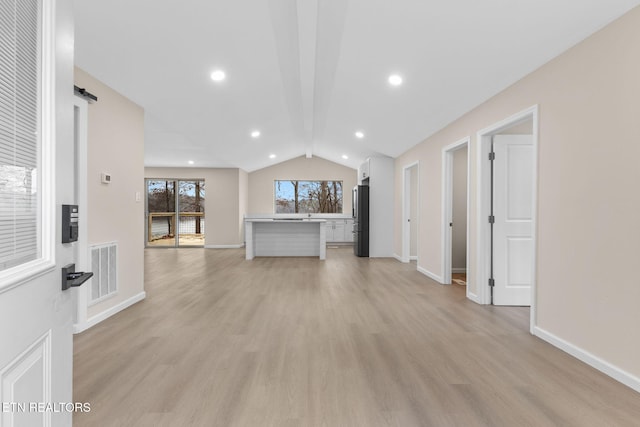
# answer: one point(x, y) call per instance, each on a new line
point(161, 213)
point(191, 213)
point(175, 213)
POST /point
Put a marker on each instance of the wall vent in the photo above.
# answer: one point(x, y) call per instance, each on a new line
point(104, 265)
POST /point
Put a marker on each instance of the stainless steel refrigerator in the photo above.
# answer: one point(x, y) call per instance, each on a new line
point(360, 208)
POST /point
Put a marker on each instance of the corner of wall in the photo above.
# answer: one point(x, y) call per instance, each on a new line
point(115, 211)
point(243, 200)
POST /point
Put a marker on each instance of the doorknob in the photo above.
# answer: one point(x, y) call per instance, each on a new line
point(71, 278)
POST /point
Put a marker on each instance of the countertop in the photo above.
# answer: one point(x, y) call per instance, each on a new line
point(279, 220)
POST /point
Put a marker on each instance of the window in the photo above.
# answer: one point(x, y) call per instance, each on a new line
point(22, 156)
point(308, 196)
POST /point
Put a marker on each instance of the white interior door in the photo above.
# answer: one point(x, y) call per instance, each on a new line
point(410, 213)
point(36, 346)
point(513, 210)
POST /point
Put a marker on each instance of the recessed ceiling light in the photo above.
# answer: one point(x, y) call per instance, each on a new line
point(272, 156)
point(218, 76)
point(190, 162)
point(359, 134)
point(344, 156)
point(255, 134)
point(395, 80)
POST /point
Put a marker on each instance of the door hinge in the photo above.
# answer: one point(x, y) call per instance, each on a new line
point(492, 283)
point(492, 156)
point(492, 219)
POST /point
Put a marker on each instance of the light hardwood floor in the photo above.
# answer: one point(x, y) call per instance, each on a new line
point(349, 341)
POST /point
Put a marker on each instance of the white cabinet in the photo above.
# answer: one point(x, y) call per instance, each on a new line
point(348, 230)
point(334, 231)
point(340, 230)
point(363, 171)
point(330, 231)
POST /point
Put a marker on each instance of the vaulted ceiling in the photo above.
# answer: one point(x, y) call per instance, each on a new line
point(308, 74)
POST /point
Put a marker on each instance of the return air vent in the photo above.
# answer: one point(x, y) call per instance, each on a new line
point(104, 265)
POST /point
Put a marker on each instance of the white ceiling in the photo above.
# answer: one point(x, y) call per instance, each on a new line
point(309, 73)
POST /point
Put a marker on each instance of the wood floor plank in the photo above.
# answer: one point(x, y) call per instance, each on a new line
point(221, 341)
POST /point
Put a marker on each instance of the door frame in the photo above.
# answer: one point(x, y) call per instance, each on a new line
point(81, 147)
point(447, 208)
point(177, 212)
point(484, 203)
point(146, 212)
point(406, 208)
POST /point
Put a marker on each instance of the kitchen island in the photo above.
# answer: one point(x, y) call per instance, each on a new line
point(285, 237)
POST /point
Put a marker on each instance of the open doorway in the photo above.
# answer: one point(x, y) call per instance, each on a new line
point(175, 213)
point(455, 215)
point(507, 172)
point(410, 197)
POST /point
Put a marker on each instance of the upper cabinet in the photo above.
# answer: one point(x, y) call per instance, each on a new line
point(363, 171)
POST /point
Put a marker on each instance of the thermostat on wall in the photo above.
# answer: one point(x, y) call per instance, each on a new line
point(106, 178)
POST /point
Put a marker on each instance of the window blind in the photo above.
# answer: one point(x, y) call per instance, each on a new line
point(20, 71)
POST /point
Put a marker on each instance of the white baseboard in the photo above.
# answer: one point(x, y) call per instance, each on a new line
point(430, 275)
point(459, 270)
point(224, 246)
point(399, 258)
point(473, 297)
point(80, 327)
point(603, 366)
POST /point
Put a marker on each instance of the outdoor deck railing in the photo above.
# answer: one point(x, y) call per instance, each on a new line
point(170, 231)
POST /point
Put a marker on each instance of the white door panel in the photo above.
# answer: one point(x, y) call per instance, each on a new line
point(36, 346)
point(519, 178)
point(26, 380)
point(513, 211)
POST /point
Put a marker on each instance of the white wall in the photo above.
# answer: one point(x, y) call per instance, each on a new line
point(589, 106)
point(381, 188)
point(116, 146)
point(261, 182)
point(243, 200)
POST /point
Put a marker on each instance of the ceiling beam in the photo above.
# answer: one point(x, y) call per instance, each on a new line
point(284, 19)
point(330, 29)
point(307, 42)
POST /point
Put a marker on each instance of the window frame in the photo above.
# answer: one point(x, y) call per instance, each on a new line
point(275, 196)
point(19, 274)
